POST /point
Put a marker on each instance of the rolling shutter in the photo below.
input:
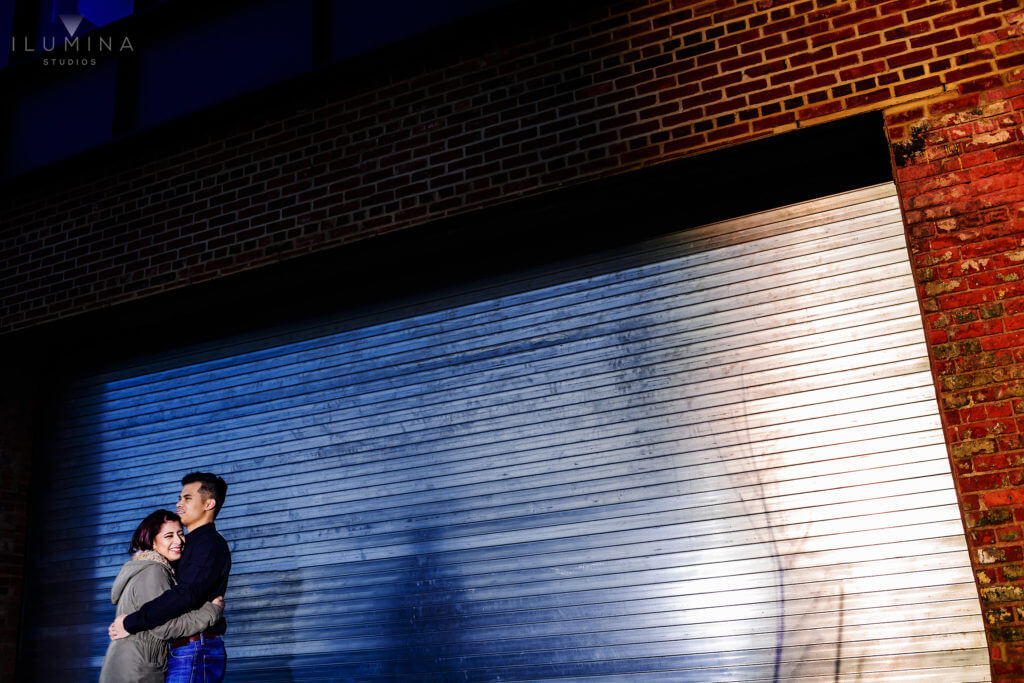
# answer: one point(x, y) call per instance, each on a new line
point(715, 456)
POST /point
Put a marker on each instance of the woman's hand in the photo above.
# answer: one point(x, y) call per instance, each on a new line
point(116, 630)
point(219, 601)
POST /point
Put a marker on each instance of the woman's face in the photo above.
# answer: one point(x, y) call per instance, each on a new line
point(169, 541)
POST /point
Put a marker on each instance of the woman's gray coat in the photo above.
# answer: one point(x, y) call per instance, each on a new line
point(142, 657)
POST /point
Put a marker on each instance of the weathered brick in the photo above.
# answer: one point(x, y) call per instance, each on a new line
point(991, 517)
point(967, 449)
point(1009, 633)
point(998, 616)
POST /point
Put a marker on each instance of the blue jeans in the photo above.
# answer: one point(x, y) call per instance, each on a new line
point(202, 661)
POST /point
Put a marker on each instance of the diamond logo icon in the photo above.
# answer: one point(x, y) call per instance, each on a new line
point(71, 22)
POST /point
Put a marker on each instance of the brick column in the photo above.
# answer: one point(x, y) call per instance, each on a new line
point(960, 171)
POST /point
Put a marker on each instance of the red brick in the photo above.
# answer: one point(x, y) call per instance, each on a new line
point(862, 71)
point(977, 329)
point(746, 87)
point(719, 82)
point(907, 30)
point(970, 298)
point(790, 48)
point(791, 75)
point(741, 62)
point(815, 83)
point(774, 121)
point(884, 51)
point(733, 13)
point(914, 57)
point(968, 72)
point(956, 104)
point(809, 57)
point(1010, 62)
point(868, 98)
point(917, 86)
point(959, 17)
point(761, 44)
point(823, 109)
point(973, 29)
point(806, 31)
point(906, 116)
point(930, 10)
point(725, 106)
point(860, 19)
point(729, 132)
point(979, 84)
point(835, 64)
point(832, 37)
point(684, 144)
point(783, 25)
point(738, 38)
point(900, 5)
point(882, 24)
point(858, 44)
point(769, 95)
point(826, 11)
point(766, 68)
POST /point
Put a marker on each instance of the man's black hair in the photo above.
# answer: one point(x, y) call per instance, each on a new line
point(211, 484)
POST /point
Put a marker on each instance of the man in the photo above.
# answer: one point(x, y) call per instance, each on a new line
point(202, 575)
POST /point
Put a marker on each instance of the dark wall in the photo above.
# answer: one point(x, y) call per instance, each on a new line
point(17, 434)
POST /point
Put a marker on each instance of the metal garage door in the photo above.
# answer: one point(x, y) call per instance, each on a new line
point(717, 457)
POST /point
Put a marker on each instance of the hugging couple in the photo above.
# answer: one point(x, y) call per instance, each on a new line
point(169, 595)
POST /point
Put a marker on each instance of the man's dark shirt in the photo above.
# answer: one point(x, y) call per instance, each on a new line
point(202, 575)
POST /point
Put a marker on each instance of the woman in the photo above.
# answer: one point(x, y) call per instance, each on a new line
point(143, 656)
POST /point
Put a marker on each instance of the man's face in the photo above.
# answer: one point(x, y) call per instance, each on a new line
point(193, 503)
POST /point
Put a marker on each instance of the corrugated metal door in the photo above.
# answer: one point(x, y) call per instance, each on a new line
point(717, 457)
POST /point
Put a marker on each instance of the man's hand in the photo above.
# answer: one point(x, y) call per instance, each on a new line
point(116, 629)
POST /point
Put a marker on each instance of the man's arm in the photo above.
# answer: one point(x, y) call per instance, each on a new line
point(195, 583)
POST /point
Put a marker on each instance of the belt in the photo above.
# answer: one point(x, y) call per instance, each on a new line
point(180, 642)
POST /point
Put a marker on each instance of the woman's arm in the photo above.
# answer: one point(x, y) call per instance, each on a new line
point(153, 581)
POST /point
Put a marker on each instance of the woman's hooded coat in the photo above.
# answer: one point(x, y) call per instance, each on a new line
point(142, 656)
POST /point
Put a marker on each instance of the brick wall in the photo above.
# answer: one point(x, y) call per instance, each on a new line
point(961, 179)
point(616, 88)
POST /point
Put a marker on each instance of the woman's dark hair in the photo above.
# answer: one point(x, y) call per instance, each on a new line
point(143, 537)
